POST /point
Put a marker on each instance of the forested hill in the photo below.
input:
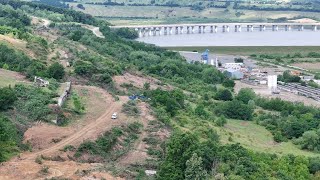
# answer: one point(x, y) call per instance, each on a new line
point(193, 102)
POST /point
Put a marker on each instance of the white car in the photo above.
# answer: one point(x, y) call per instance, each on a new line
point(114, 116)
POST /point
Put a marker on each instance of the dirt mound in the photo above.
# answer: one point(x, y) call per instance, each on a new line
point(42, 136)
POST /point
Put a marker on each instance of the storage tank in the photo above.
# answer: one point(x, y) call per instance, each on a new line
point(272, 81)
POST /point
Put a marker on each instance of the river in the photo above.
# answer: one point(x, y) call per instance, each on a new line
point(306, 37)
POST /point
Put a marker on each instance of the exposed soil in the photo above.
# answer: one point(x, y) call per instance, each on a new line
point(48, 140)
point(139, 153)
point(138, 81)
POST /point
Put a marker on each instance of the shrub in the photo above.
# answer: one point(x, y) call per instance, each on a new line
point(224, 95)
point(235, 109)
point(221, 121)
point(56, 71)
point(7, 98)
point(131, 109)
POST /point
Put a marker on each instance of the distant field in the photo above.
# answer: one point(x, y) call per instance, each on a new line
point(257, 138)
point(249, 50)
point(157, 15)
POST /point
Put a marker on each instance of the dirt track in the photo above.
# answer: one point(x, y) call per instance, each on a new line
point(115, 107)
point(25, 167)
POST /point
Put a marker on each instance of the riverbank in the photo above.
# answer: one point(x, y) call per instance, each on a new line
point(249, 50)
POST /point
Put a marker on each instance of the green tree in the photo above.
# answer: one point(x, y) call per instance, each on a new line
point(146, 86)
point(7, 97)
point(8, 139)
point(56, 71)
point(195, 170)
point(200, 111)
point(221, 121)
point(229, 83)
point(235, 109)
point(5, 66)
point(78, 106)
point(224, 95)
point(245, 95)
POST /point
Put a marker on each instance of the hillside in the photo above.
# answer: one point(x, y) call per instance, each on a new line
point(182, 120)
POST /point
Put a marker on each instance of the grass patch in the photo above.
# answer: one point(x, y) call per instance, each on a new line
point(257, 138)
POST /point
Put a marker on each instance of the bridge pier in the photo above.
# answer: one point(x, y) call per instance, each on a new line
point(288, 28)
point(177, 30)
point(181, 29)
point(188, 29)
point(192, 29)
point(165, 30)
point(215, 29)
point(139, 30)
point(225, 28)
point(262, 27)
point(154, 31)
point(250, 28)
point(275, 27)
point(301, 28)
point(170, 30)
point(160, 30)
point(237, 28)
point(211, 29)
point(200, 29)
point(314, 28)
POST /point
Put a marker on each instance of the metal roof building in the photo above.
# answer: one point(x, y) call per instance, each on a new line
point(233, 74)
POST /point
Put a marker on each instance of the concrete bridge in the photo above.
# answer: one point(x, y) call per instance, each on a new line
point(154, 30)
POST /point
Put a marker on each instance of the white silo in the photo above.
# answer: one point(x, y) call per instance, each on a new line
point(272, 81)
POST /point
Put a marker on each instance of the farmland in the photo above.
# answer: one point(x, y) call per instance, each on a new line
point(162, 15)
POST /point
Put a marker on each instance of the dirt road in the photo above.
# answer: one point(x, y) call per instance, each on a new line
point(25, 167)
point(105, 118)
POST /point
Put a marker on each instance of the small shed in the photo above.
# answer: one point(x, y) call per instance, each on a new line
point(233, 74)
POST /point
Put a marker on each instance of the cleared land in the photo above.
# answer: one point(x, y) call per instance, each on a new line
point(49, 141)
point(257, 138)
point(10, 78)
point(309, 66)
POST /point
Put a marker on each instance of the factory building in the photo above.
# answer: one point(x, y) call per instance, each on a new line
point(233, 73)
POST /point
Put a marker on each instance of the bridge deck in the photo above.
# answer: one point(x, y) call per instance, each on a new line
point(218, 24)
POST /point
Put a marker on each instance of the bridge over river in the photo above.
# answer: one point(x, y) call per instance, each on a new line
point(155, 30)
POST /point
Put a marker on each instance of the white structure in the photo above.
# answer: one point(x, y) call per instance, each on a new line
point(40, 82)
point(150, 172)
point(217, 63)
point(235, 66)
point(212, 62)
point(272, 82)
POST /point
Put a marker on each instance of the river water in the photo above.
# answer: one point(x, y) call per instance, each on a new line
point(306, 37)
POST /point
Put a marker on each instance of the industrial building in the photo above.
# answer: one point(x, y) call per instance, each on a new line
point(233, 74)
